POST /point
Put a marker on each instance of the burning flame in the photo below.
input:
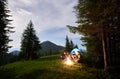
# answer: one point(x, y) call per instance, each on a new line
point(69, 62)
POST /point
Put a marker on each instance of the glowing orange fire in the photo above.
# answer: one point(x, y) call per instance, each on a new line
point(71, 57)
point(69, 62)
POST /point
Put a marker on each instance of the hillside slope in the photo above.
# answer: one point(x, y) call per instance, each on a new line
point(49, 67)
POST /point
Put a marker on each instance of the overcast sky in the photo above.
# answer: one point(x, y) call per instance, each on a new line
point(49, 17)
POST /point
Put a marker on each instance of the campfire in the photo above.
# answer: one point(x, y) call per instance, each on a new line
point(72, 57)
point(69, 62)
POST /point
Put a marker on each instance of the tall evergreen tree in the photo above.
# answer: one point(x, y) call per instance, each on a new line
point(71, 45)
point(67, 45)
point(98, 21)
point(30, 44)
point(5, 29)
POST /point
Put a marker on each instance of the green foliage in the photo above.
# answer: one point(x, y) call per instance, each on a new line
point(99, 22)
point(69, 45)
point(30, 44)
point(5, 29)
point(50, 67)
point(7, 73)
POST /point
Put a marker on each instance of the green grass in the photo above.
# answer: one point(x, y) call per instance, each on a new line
point(49, 67)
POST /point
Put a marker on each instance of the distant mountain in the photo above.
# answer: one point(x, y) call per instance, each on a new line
point(47, 48)
point(50, 48)
point(15, 52)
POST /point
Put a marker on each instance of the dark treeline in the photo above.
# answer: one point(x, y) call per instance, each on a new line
point(5, 30)
point(99, 22)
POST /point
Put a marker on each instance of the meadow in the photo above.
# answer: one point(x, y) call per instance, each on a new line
point(50, 67)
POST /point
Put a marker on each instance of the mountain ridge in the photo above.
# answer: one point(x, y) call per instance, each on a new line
point(50, 47)
point(47, 48)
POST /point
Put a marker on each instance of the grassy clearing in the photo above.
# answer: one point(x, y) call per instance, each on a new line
point(49, 67)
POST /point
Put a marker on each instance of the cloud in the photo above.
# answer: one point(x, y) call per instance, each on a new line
point(23, 12)
point(49, 17)
point(46, 14)
point(26, 2)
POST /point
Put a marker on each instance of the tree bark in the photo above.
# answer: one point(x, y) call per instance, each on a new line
point(104, 51)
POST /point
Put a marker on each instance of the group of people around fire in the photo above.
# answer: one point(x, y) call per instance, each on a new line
point(74, 55)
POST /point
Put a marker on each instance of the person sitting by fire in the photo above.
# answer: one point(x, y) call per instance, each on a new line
point(67, 55)
point(75, 54)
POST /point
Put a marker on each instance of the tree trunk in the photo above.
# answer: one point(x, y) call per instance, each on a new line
point(108, 50)
point(104, 51)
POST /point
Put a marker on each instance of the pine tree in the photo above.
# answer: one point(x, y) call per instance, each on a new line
point(30, 44)
point(98, 21)
point(5, 29)
point(76, 46)
point(71, 45)
point(67, 45)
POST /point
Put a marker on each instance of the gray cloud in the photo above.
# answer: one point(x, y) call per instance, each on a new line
point(45, 14)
